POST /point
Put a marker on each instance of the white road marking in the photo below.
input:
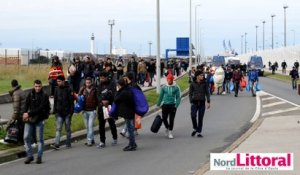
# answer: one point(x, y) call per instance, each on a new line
point(280, 111)
point(274, 104)
point(269, 98)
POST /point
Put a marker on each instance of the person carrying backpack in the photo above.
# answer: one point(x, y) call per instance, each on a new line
point(170, 99)
point(125, 108)
point(253, 79)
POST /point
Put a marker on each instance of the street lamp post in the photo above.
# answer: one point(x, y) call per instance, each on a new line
point(196, 43)
point(111, 23)
point(242, 39)
point(245, 43)
point(158, 47)
point(272, 16)
point(150, 43)
point(256, 38)
point(284, 8)
point(293, 36)
point(263, 35)
point(190, 40)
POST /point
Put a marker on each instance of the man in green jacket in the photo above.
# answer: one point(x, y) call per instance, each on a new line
point(170, 99)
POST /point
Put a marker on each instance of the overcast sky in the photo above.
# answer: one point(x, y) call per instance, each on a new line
point(68, 24)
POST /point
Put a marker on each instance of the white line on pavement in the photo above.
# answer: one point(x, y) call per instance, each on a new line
point(269, 98)
point(280, 111)
point(284, 100)
point(274, 104)
point(257, 111)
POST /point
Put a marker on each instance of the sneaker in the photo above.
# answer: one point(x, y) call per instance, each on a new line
point(167, 132)
point(38, 160)
point(28, 160)
point(129, 148)
point(199, 135)
point(54, 146)
point(34, 145)
point(193, 133)
point(170, 135)
point(123, 133)
point(114, 142)
point(101, 145)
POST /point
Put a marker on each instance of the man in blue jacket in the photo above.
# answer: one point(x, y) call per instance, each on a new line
point(253, 79)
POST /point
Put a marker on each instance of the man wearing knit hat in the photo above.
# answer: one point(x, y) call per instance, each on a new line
point(169, 100)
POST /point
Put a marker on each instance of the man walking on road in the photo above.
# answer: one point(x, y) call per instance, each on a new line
point(63, 110)
point(295, 76)
point(170, 99)
point(106, 90)
point(236, 78)
point(198, 94)
point(90, 104)
point(253, 79)
point(37, 109)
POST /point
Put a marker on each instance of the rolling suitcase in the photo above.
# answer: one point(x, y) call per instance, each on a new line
point(156, 124)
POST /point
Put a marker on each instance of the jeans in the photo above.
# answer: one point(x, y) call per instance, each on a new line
point(102, 122)
point(28, 136)
point(52, 84)
point(253, 87)
point(59, 122)
point(236, 87)
point(168, 111)
point(200, 108)
point(294, 83)
point(89, 118)
point(142, 78)
point(130, 127)
point(227, 86)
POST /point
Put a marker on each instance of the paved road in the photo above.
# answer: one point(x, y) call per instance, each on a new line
point(227, 119)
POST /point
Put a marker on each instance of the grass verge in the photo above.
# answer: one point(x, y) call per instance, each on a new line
point(281, 77)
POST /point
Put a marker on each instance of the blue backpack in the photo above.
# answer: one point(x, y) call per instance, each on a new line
point(140, 102)
point(78, 107)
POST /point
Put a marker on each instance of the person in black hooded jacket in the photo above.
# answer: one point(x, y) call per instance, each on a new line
point(125, 108)
point(106, 92)
point(37, 109)
point(63, 110)
point(198, 94)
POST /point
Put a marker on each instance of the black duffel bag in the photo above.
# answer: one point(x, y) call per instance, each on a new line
point(156, 124)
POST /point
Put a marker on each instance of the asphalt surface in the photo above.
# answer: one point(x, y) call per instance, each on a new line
point(224, 122)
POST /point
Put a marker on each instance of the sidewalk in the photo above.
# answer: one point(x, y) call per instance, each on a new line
point(273, 134)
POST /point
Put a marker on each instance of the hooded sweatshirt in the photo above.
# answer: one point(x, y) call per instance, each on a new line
point(169, 94)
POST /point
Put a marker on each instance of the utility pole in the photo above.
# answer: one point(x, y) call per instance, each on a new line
point(245, 43)
point(264, 34)
point(111, 23)
point(284, 8)
point(272, 16)
point(150, 43)
point(256, 38)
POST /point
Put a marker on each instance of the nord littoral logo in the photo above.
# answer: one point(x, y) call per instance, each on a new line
point(252, 161)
